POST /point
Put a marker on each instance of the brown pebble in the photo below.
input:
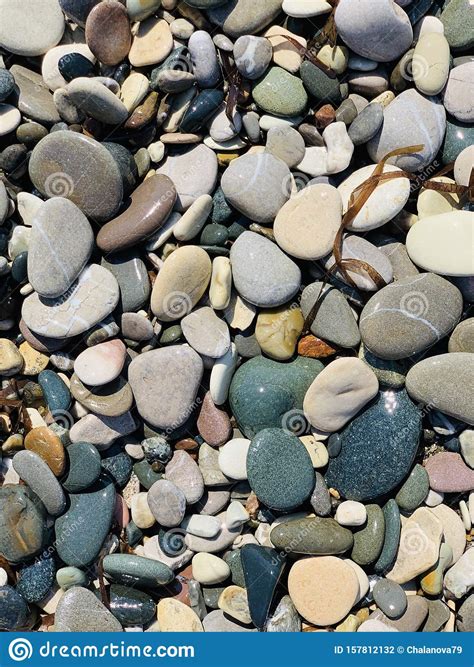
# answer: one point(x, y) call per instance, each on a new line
point(42, 343)
point(35, 361)
point(178, 138)
point(310, 135)
point(188, 444)
point(313, 347)
point(252, 505)
point(108, 33)
point(151, 203)
point(325, 116)
point(42, 441)
point(213, 423)
point(143, 114)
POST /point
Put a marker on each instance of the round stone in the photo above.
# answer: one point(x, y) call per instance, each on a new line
point(209, 569)
point(175, 616)
point(10, 118)
point(206, 333)
point(184, 472)
point(390, 598)
point(108, 32)
point(279, 469)
point(280, 93)
point(167, 503)
point(351, 513)
point(100, 364)
point(323, 589)
point(459, 93)
point(248, 176)
point(71, 165)
point(233, 458)
point(84, 467)
point(32, 27)
point(286, 144)
point(252, 56)
point(366, 124)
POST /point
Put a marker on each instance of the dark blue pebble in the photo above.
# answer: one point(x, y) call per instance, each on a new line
point(55, 391)
point(36, 580)
point(118, 464)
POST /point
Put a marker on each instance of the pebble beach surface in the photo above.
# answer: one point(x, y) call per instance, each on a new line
point(236, 320)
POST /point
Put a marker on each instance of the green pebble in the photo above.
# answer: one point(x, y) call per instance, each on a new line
point(458, 137)
point(234, 561)
point(171, 335)
point(389, 373)
point(221, 211)
point(368, 541)
point(84, 467)
point(457, 18)
point(386, 559)
point(280, 93)
point(131, 570)
point(214, 235)
point(414, 490)
point(146, 474)
point(67, 577)
point(312, 536)
point(320, 85)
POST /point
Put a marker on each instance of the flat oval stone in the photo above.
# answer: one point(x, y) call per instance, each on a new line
point(454, 532)
point(100, 364)
point(442, 243)
point(414, 490)
point(385, 202)
point(374, 459)
point(60, 244)
point(74, 62)
point(183, 471)
point(33, 27)
point(368, 541)
point(424, 122)
point(302, 234)
point(131, 570)
point(443, 382)
point(35, 100)
point(79, 610)
point(388, 555)
point(131, 606)
point(150, 205)
point(23, 520)
point(193, 173)
point(167, 503)
point(311, 536)
point(36, 473)
point(47, 445)
point(262, 273)
point(94, 510)
point(323, 589)
point(248, 176)
point(213, 424)
point(175, 616)
point(84, 467)
point(319, 84)
point(280, 93)
point(108, 32)
point(14, 611)
point(165, 384)
point(355, 247)
point(89, 300)
point(204, 59)
point(449, 474)
point(10, 118)
point(361, 24)
point(206, 333)
point(151, 43)
point(390, 598)
point(57, 168)
point(417, 311)
point(279, 469)
point(244, 17)
point(266, 394)
point(97, 101)
point(252, 56)
point(366, 124)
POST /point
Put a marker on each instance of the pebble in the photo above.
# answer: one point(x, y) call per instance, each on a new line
point(432, 49)
point(280, 93)
point(182, 368)
point(175, 616)
point(414, 490)
point(14, 611)
point(278, 330)
point(286, 144)
point(233, 458)
point(368, 542)
point(338, 393)
point(366, 124)
point(132, 570)
point(411, 620)
point(204, 59)
point(62, 238)
point(448, 473)
point(100, 364)
point(151, 44)
point(24, 514)
point(458, 94)
point(390, 598)
point(36, 580)
point(206, 333)
point(36, 473)
point(415, 311)
point(79, 610)
point(354, 247)
point(167, 503)
point(11, 361)
point(108, 32)
point(334, 321)
point(48, 446)
point(262, 273)
point(458, 579)
point(243, 17)
point(249, 175)
point(183, 471)
point(84, 467)
point(193, 173)
point(97, 101)
point(313, 536)
point(35, 101)
point(33, 29)
point(223, 540)
point(351, 513)
point(209, 569)
point(10, 118)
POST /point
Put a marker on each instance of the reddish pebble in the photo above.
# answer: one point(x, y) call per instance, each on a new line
point(108, 33)
point(213, 424)
point(121, 512)
point(448, 473)
point(313, 347)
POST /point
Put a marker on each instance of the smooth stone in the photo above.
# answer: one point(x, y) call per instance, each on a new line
point(279, 469)
point(368, 541)
point(234, 602)
point(415, 312)
point(366, 124)
point(262, 569)
point(23, 518)
point(456, 17)
point(36, 580)
point(424, 123)
point(77, 10)
point(414, 616)
point(414, 490)
point(233, 458)
point(175, 616)
point(441, 243)
point(320, 498)
point(191, 223)
point(311, 536)
point(118, 465)
point(79, 610)
point(11, 361)
point(438, 616)
point(130, 606)
point(213, 502)
point(131, 570)
point(339, 392)
point(388, 555)
point(243, 17)
point(285, 54)
point(296, 229)
point(285, 618)
point(218, 621)
point(278, 330)
point(280, 93)
point(250, 175)
point(319, 85)
point(32, 28)
point(48, 446)
point(387, 200)
point(84, 467)
point(193, 174)
point(60, 244)
point(383, 459)
point(209, 466)
point(204, 59)
point(465, 620)
point(108, 32)
point(181, 282)
point(458, 579)
point(252, 56)
point(10, 118)
point(138, 10)
point(35, 101)
point(286, 144)
point(323, 589)
point(351, 513)
point(57, 168)
point(74, 62)
point(75, 311)
point(95, 506)
point(36, 473)
point(165, 384)
point(206, 333)
point(459, 92)
point(432, 581)
point(209, 569)
point(262, 274)
point(150, 205)
point(466, 440)
point(136, 327)
point(213, 423)
point(102, 431)
point(201, 110)
point(449, 392)
point(458, 137)
point(14, 611)
point(360, 26)
point(390, 598)
point(433, 50)
point(100, 364)
point(222, 541)
point(419, 546)
point(97, 101)
point(354, 247)
point(183, 471)
point(463, 166)
point(151, 43)
point(449, 474)
point(266, 394)
point(201, 525)
point(7, 84)
point(334, 321)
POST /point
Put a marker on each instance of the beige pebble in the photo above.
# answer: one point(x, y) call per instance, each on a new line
point(134, 89)
point(277, 331)
point(351, 513)
point(151, 44)
point(175, 616)
point(35, 361)
point(384, 98)
point(317, 451)
point(334, 57)
point(209, 569)
point(239, 314)
point(193, 220)
point(141, 513)
point(430, 63)
point(156, 151)
point(233, 601)
point(285, 54)
point(221, 283)
point(432, 202)
point(11, 361)
point(10, 118)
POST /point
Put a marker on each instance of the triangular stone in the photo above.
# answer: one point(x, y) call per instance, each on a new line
point(262, 570)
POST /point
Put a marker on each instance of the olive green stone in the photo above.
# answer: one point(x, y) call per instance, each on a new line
point(234, 561)
point(457, 18)
point(280, 93)
point(146, 474)
point(314, 536)
point(368, 541)
point(23, 530)
point(320, 85)
point(414, 490)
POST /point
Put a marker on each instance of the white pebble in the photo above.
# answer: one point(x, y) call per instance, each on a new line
point(351, 513)
point(233, 458)
point(221, 283)
point(221, 375)
point(3, 577)
point(201, 525)
point(209, 569)
point(191, 223)
point(141, 513)
point(434, 498)
point(466, 518)
point(236, 515)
